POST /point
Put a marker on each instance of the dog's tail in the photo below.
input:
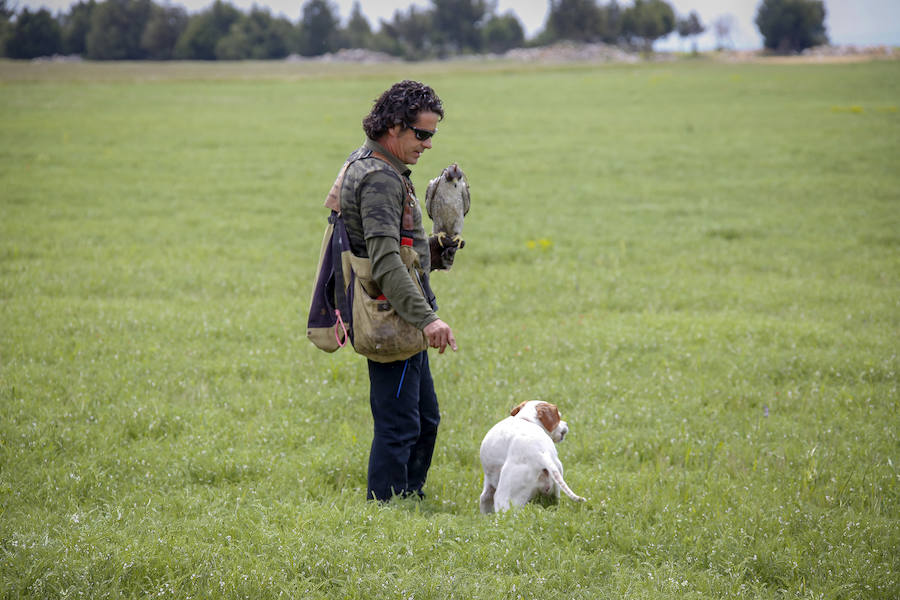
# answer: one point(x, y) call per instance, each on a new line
point(557, 476)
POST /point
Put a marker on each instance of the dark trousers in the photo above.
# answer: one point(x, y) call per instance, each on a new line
point(406, 415)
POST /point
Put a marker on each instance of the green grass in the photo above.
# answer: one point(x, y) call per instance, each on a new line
point(699, 263)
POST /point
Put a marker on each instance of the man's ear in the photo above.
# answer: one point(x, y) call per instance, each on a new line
point(395, 130)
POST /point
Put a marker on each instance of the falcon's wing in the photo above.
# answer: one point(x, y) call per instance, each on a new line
point(465, 197)
point(429, 195)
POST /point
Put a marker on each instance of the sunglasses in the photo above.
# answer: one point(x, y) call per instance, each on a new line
point(421, 134)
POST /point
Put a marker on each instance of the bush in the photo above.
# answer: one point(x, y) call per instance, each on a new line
point(791, 25)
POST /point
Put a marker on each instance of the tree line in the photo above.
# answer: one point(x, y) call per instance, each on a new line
point(145, 30)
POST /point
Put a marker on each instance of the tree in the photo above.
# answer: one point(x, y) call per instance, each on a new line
point(358, 33)
point(456, 24)
point(648, 20)
point(116, 29)
point(502, 33)
point(791, 25)
point(6, 27)
point(690, 26)
point(576, 20)
point(165, 26)
point(611, 22)
point(34, 34)
point(257, 35)
point(385, 41)
point(408, 34)
point(723, 26)
point(204, 30)
point(75, 27)
point(318, 28)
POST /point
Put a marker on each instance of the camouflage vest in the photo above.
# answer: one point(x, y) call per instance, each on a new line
point(399, 216)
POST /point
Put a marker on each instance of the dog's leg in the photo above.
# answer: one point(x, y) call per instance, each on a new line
point(487, 497)
point(516, 487)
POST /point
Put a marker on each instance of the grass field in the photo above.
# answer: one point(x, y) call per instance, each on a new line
point(698, 262)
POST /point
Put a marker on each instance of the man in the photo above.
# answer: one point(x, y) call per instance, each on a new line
point(380, 211)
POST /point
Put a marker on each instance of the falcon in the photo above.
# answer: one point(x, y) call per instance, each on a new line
point(447, 202)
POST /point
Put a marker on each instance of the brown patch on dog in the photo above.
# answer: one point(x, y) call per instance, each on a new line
point(516, 410)
point(549, 415)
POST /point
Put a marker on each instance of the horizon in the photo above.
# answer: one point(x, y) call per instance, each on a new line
point(847, 22)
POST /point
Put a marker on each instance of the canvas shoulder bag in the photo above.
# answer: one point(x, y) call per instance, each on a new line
point(347, 303)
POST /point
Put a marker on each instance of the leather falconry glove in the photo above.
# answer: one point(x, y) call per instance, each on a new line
point(443, 251)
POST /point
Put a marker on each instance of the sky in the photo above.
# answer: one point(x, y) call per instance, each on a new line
point(858, 22)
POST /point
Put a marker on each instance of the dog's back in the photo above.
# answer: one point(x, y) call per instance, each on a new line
point(511, 439)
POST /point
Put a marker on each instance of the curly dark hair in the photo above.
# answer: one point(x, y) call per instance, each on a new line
point(401, 104)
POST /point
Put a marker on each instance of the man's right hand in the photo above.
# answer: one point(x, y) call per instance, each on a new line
point(440, 336)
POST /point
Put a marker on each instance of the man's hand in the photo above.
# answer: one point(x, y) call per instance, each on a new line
point(440, 336)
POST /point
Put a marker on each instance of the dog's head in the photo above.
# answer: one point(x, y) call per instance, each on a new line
point(544, 414)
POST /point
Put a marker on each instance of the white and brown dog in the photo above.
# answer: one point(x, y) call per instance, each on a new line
point(520, 460)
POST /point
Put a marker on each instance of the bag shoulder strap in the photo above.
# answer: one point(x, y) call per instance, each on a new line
point(333, 198)
point(338, 234)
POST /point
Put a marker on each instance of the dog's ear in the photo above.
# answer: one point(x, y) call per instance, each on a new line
point(549, 415)
point(516, 410)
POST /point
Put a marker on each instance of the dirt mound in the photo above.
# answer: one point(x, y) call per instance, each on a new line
point(569, 51)
point(351, 55)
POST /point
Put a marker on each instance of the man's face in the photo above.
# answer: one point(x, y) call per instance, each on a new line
point(403, 143)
